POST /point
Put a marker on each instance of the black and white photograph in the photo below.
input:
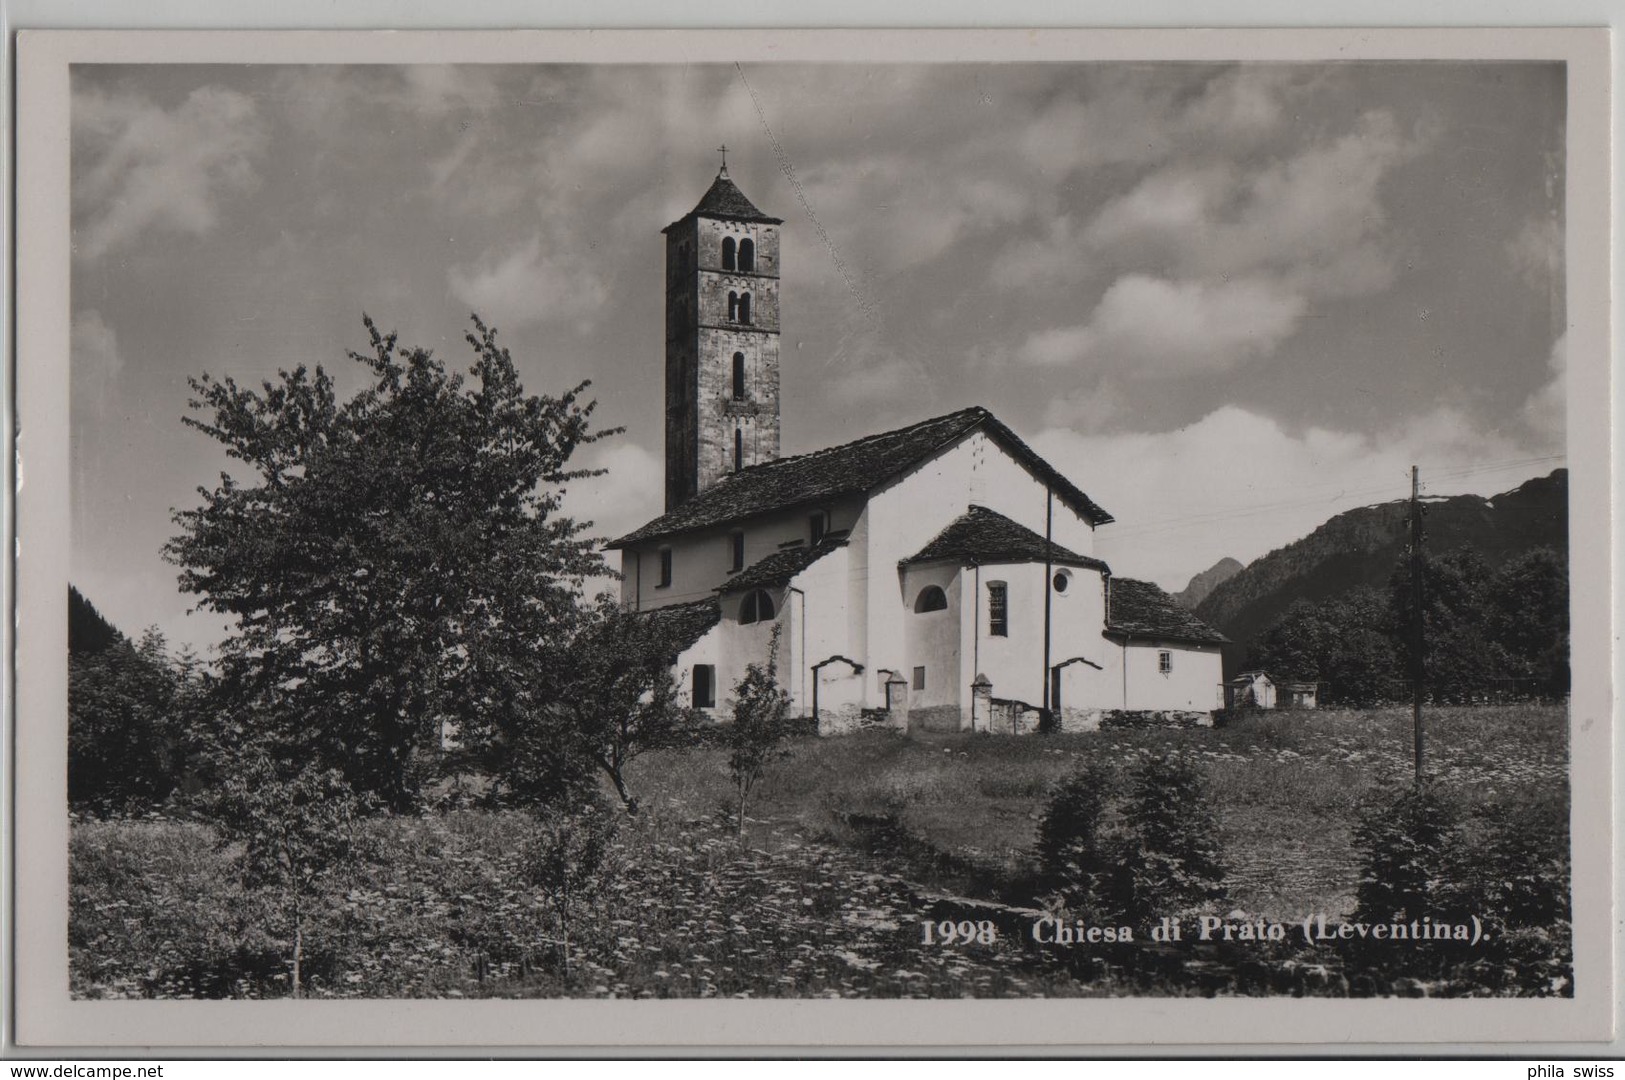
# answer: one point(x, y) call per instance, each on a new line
point(809, 529)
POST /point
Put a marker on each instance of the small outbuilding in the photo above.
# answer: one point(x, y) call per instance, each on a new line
point(1250, 690)
point(1260, 690)
point(1298, 695)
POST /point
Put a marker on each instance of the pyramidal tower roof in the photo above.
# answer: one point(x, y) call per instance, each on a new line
point(725, 200)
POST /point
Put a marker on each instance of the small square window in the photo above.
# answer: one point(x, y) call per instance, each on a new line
point(919, 678)
point(665, 568)
point(816, 525)
point(1165, 662)
point(736, 551)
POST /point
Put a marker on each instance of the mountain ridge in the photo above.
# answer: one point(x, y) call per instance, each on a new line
point(1359, 547)
point(1206, 581)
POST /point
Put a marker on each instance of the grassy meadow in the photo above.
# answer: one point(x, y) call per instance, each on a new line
point(848, 843)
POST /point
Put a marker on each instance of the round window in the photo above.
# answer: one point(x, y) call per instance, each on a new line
point(1062, 580)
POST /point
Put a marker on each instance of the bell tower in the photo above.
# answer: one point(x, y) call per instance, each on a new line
point(722, 340)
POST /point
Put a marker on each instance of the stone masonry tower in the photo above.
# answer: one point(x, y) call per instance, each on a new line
point(722, 340)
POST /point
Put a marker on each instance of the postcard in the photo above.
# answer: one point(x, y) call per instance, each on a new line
point(890, 540)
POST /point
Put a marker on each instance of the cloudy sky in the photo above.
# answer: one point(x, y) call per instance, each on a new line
point(1228, 301)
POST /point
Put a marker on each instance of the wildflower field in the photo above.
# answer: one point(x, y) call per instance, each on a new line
point(852, 846)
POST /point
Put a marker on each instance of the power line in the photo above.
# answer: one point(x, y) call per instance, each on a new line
point(1210, 517)
point(863, 302)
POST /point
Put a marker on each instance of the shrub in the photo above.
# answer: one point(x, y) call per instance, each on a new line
point(1408, 850)
point(760, 708)
point(1162, 853)
point(1172, 858)
point(295, 837)
point(1513, 877)
point(155, 911)
point(562, 860)
point(1075, 856)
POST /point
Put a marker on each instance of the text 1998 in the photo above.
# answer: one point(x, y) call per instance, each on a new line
point(963, 932)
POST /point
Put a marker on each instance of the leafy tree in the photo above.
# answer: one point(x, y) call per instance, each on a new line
point(293, 828)
point(1461, 660)
point(756, 735)
point(1528, 612)
point(1343, 642)
point(612, 696)
point(124, 740)
point(390, 559)
point(88, 631)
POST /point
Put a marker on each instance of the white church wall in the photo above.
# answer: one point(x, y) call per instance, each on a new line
point(1000, 482)
point(1194, 681)
point(740, 644)
point(1015, 661)
point(707, 651)
point(902, 517)
point(1078, 614)
point(818, 626)
point(932, 650)
point(702, 561)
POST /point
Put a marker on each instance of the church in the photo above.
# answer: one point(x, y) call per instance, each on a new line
point(937, 577)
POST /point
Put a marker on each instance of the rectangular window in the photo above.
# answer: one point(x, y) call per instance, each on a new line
point(998, 610)
point(736, 551)
point(816, 525)
point(665, 568)
point(1165, 662)
point(919, 678)
point(705, 686)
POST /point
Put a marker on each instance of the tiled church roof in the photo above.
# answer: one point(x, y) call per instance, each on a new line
point(687, 622)
point(1140, 609)
point(779, 567)
point(851, 469)
point(981, 536)
point(725, 200)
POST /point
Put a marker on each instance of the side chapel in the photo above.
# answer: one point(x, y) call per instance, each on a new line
point(939, 576)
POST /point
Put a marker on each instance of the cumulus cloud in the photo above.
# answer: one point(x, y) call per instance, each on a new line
point(1221, 262)
point(631, 491)
point(95, 364)
point(877, 377)
point(1546, 412)
point(138, 166)
point(1315, 218)
point(1237, 483)
point(1152, 327)
point(1537, 251)
point(527, 285)
point(437, 89)
point(1134, 116)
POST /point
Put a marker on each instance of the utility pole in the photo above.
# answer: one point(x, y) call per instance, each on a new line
point(1049, 591)
point(1418, 624)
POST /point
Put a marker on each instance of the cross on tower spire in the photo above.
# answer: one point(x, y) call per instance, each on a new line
point(723, 150)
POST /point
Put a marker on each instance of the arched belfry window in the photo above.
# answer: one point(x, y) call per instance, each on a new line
point(744, 308)
point(739, 376)
point(739, 449)
point(733, 307)
point(727, 253)
point(757, 606)
point(747, 255)
point(931, 598)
